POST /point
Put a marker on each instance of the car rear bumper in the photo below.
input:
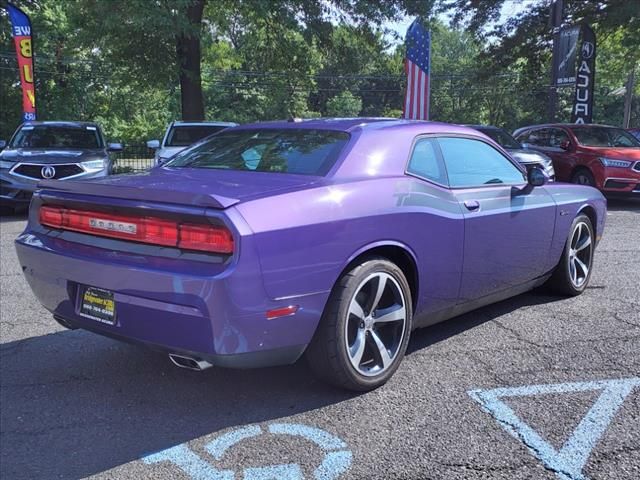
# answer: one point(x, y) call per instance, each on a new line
point(220, 317)
point(255, 359)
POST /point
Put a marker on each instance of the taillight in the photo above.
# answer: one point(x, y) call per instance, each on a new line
point(204, 237)
point(152, 230)
point(51, 216)
point(145, 229)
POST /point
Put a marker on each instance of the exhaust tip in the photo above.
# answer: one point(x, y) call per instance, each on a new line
point(64, 322)
point(190, 363)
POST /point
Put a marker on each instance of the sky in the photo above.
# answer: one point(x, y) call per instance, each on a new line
point(509, 9)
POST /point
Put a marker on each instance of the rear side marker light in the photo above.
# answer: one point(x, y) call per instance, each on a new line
point(282, 312)
point(152, 230)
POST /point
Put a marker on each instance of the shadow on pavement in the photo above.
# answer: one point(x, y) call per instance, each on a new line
point(618, 204)
point(426, 337)
point(76, 404)
point(15, 217)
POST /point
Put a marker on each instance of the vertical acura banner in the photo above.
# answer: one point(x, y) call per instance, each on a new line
point(582, 111)
point(21, 32)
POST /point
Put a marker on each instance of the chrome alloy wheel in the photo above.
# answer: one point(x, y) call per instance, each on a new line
point(580, 254)
point(376, 324)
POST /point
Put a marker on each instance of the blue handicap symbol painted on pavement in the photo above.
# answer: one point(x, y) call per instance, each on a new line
point(337, 459)
point(569, 461)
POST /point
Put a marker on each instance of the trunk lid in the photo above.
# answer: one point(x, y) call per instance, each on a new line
point(186, 186)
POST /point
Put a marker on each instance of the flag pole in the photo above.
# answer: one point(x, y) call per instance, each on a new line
point(428, 112)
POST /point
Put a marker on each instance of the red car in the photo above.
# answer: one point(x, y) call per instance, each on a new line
point(604, 157)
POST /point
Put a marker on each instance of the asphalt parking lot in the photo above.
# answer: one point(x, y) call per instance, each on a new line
point(535, 387)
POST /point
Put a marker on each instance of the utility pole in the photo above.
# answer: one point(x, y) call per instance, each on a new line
point(628, 97)
point(556, 14)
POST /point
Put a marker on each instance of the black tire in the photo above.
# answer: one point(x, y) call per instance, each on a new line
point(6, 210)
point(563, 281)
point(328, 353)
point(583, 177)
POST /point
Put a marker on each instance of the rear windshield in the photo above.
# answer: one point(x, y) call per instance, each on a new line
point(185, 135)
point(49, 136)
point(501, 137)
point(605, 137)
point(298, 151)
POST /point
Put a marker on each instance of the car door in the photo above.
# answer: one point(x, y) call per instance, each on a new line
point(508, 225)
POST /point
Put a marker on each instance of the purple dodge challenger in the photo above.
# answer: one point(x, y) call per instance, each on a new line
point(331, 239)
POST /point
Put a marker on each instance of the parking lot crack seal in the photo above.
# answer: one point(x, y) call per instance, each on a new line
point(518, 335)
point(617, 316)
point(485, 468)
point(488, 368)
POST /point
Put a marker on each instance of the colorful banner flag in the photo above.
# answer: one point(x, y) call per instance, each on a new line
point(21, 32)
point(417, 65)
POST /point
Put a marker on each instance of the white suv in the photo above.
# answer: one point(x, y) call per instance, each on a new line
point(180, 135)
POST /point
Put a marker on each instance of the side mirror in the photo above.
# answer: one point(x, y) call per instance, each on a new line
point(114, 147)
point(3, 143)
point(536, 177)
point(565, 145)
point(153, 144)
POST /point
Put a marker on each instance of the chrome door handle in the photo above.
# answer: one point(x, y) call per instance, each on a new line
point(472, 205)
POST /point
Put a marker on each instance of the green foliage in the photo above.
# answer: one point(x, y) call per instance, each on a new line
point(115, 61)
point(345, 104)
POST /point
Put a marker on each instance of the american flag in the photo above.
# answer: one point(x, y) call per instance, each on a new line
point(417, 66)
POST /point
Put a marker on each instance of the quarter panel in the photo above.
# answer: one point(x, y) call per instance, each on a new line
point(571, 200)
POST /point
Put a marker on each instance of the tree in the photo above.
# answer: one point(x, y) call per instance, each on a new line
point(345, 104)
point(188, 53)
point(521, 45)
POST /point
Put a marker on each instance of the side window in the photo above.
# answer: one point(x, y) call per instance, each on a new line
point(426, 163)
point(471, 163)
point(538, 137)
point(556, 137)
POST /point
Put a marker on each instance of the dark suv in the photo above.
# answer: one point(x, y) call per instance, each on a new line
point(51, 150)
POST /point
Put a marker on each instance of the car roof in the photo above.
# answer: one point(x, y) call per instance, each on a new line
point(361, 124)
point(203, 123)
point(567, 125)
point(486, 127)
point(62, 123)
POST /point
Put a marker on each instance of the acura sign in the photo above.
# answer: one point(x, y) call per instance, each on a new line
point(582, 111)
point(48, 172)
